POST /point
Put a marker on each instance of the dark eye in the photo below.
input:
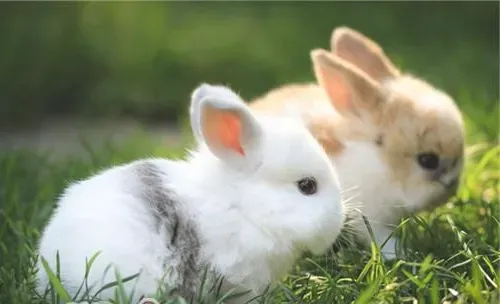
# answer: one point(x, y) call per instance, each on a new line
point(429, 161)
point(308, 185)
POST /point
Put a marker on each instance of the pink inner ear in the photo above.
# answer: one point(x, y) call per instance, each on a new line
point(336, 88)
point(225, 128)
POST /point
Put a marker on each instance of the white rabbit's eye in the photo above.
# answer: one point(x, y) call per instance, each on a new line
point(308, 185)
point(429, 161)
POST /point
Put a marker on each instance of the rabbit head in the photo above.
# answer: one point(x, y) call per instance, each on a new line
point(273, 171)
point(415, 129)
point(396, 141)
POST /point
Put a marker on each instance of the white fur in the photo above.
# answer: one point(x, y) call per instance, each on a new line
point(364, 175)
point(254, 222)
point(384, 201)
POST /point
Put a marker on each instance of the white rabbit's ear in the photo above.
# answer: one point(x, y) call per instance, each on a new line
point(222, 120)
point(363, 52)
point(349, 89)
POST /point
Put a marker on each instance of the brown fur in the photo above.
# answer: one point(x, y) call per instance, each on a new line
point(372, 101)
point(306, 98)
point(363, 53)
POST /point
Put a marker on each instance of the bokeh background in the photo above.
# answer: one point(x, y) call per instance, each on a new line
point(75, 61)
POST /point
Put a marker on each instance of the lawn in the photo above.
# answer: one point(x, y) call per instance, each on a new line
point(452, 253)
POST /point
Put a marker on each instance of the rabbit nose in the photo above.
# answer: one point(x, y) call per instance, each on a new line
point(447, 173)
point(446, 164)
point(448, 181)
point(452, 185)
point(440, 171)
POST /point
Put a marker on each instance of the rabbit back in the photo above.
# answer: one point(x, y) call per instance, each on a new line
point(130, 216)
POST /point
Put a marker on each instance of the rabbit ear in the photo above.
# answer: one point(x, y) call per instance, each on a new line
point(349, 89)
point(222, 120)
point(363, 53)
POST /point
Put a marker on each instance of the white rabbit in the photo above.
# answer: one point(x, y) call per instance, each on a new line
point(395, 140)
point(254, 196)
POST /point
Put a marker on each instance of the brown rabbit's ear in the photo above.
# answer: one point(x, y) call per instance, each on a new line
point(348, 88)
point(363, 53)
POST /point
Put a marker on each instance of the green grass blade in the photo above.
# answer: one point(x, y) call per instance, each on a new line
point(56, 283)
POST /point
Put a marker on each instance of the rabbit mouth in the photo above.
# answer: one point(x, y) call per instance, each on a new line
point(448, 189)
point(449, 186)
point(448, 174)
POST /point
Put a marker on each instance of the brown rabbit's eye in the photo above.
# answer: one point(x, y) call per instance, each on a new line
point(308, 185)
point(429, 161)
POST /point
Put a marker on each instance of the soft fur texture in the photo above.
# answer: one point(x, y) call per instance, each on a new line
point(373, 120)
point(233, 205)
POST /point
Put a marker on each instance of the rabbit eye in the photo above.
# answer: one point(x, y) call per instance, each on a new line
point(428, 161)
point(307, 186)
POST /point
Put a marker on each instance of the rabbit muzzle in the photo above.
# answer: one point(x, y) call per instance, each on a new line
point(448, 174)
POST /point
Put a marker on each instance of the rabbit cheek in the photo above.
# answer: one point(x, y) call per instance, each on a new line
point(441, 196)
point(426, 196)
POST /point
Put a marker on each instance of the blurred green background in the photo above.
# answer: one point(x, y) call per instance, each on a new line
point(142, 60)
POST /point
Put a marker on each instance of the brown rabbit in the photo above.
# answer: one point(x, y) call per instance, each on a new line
point(395, 138)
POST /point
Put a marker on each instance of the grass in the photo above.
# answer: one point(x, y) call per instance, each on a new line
point(452, 253)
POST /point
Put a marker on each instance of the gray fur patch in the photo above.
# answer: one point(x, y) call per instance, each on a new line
point(184, 241)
